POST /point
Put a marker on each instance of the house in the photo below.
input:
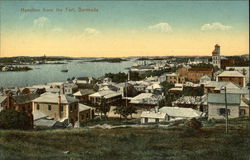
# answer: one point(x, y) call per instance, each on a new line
point(152, 117)
point(244, 108)
point(176, 113)
point(107, 80)
point(3, 101)
point(194, 102)
point(83, 95)
point(69, 88)
point(175, 78)
point(194, 74)
point(151, 79)
point(21, 103)
point(242, 70)
point(59, 107)
point(109, 96)
point(217, 105)
point(205, 79)
point(86, 113)
point(217, 87)
point(162, 78)
point(146, 100)
point(178, 87)
point(42, 120)
point(83, 80)
point(232, 76)
point(154, 87)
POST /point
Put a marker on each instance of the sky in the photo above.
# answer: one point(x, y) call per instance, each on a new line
point(123, 28)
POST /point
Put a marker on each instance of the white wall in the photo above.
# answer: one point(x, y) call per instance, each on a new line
point(213, 111)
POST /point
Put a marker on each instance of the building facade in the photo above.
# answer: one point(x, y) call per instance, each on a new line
point(216, 59)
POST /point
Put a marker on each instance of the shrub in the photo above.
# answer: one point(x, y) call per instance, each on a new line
point(194, 123)
point(11, 119)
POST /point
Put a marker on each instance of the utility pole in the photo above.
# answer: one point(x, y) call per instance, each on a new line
point(226, 110)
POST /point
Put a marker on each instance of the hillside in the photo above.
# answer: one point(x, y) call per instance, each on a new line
point(176, 142)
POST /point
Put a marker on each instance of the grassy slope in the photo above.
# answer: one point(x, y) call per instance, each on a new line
point(175, 143)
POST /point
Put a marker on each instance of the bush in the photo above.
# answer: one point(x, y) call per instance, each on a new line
point(194, 123)
point(11, 119)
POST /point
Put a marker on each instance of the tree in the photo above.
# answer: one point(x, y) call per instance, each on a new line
point(125, 111)
point(103, 107)
point(11, 119)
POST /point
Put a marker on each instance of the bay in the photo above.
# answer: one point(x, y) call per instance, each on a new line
point(45, 73)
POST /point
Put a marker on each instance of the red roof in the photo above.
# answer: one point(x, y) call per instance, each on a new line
point(200, 69)
point(215, 52)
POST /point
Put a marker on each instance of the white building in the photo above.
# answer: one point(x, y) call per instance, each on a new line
point(153, 117)
point(176, 113)
point(217, 105)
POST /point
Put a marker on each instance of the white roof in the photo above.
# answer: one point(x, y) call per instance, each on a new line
point(243, 104)
point(231, 74)
point(38, 115)
point(105, 94)
point(146, 98)
point(220, 84)
point(53, 98)
point(154, 86)
point(175, 89)
point(2, 98)
point(172, 74)
point(148, 114)
point(180, 112)
point(45, 122)
point(83, 107)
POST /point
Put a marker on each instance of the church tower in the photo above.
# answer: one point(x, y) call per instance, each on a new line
point(216, 56)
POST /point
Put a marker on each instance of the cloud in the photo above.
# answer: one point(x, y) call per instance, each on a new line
point(40, 22)
point(215, 26)
point(57, 30)
point(161, 27)
point(91, 32)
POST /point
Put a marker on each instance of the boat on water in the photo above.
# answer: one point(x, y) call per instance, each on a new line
point(64, 70)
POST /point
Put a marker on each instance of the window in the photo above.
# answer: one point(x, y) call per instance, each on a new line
point(146, 120)
point(75, 106)
point(157, 120)
point(37, 107)
point(49, 107)
point(222, 111)
point(242, 112)
point(61, 108)
point(82, 117)
point(71, 108)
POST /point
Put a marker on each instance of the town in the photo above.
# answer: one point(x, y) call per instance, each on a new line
point(162, 91)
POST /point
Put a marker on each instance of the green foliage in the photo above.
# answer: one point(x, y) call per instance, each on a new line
point(128, 143)
point(117, 77)
point(135, 76)
point(125, 111)
point(170, 97)
point(111, 60)
point(103, 107)
point(193, 91)
point(166, 86)
point(11, 119)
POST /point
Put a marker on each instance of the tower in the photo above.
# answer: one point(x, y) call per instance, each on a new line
point(216, 56)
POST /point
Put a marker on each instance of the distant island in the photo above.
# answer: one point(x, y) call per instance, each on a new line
point(110, 60)
point(14, 68)
point(25, 60)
